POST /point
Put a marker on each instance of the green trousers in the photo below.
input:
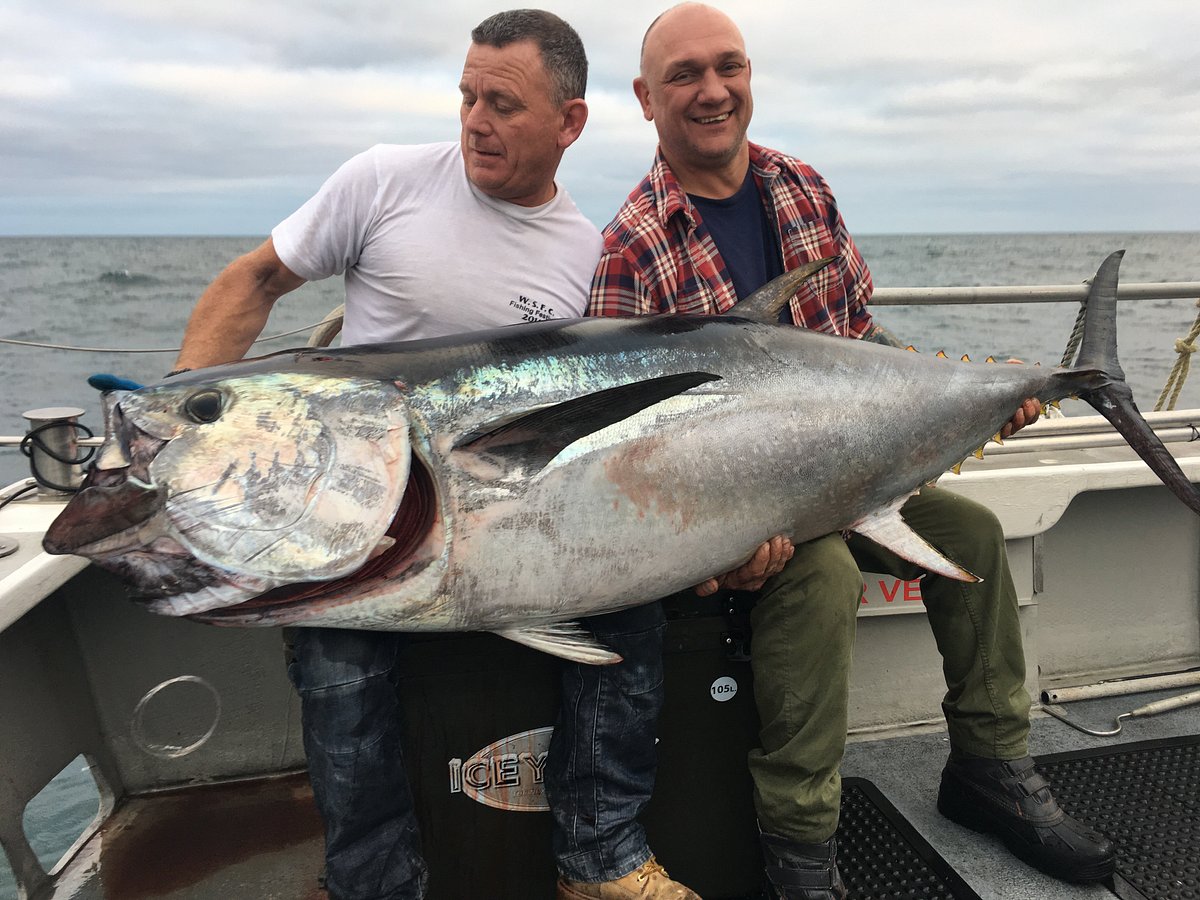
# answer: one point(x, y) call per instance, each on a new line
point(803, 634)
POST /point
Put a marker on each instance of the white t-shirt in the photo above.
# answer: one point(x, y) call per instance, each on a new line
point(425, 253)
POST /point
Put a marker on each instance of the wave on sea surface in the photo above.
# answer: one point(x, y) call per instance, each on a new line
point(125, 277)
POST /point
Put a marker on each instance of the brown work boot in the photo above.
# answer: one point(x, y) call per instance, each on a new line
point(647, 882)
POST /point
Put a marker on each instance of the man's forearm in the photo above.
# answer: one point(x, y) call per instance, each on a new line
point(880, 335)
point(219, 330)
point(233, 311)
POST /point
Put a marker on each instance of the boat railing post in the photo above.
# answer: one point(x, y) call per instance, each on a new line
point(54, 458)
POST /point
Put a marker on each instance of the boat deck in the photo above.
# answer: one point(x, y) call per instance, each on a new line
point(248, 839)
point(261, 839)
point(906, 770)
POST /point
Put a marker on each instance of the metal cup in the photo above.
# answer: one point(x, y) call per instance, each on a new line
point(61, 441)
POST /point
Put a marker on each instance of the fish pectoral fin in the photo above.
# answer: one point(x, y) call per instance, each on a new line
point(570, 640)
point(538, 436)
point(887, 528)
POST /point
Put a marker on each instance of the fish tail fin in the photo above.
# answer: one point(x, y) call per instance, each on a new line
point(1098, 348)
point(1097, 378)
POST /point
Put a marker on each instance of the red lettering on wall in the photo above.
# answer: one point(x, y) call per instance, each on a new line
point(892, 590)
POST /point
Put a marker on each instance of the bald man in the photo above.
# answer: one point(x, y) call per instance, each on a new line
point(717, 217)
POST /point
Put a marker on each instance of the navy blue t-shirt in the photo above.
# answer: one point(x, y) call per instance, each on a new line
point(745, 237)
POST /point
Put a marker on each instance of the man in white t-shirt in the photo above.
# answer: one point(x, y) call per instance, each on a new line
point(434, 240)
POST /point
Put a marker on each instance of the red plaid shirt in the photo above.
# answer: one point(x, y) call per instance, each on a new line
point(659, 257)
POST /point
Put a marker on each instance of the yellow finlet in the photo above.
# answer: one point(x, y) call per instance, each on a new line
point(941, 354)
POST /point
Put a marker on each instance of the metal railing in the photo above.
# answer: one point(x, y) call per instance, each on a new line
point(942, 296)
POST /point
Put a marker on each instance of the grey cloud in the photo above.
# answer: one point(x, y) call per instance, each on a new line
point(917, 114)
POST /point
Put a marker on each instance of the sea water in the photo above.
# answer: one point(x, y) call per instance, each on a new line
point(125, 294)
point(118, 295)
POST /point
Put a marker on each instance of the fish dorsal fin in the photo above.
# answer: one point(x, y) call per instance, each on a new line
point(887, 528)
point(765, 304)
point(570, 640)
point(537, 436)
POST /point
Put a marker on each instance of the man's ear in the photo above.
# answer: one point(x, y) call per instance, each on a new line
point(574, 117)
point(642, 90)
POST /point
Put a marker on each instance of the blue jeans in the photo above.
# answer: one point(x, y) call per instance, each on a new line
point(600, 771)
point(599, 774)
point(351, 722)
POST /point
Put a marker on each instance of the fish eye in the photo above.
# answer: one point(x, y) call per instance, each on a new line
point(204, 406)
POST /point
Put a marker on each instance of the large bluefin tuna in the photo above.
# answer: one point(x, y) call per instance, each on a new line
point(514, 480)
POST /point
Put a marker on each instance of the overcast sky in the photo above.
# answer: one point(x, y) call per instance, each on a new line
point(221, 117)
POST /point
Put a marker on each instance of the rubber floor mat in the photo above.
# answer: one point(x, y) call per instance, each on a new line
point(882, 857)
point(1146, 797)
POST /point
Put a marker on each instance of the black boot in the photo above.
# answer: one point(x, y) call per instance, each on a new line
point(801, 871)
point(1011, 799)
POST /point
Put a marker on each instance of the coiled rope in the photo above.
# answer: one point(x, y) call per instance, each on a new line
point(1076, 337)
point(33, 440)
point(1185, 347)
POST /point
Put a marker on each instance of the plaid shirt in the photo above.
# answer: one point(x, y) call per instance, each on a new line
point(659, 257)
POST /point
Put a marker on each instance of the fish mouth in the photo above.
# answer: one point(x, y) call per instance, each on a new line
point(129, 509)
point(118, 508)
point(416, 540)
point(119, 523)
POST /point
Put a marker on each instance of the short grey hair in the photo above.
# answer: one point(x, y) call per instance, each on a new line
point(559, 44)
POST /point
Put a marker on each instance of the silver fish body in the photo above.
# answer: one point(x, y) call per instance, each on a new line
point(513, 479)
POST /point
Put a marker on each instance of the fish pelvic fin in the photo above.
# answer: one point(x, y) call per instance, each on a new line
point(765, 304)
point(1097, 378)
point(887, 528)
point(536, 437)
point(569, 640)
